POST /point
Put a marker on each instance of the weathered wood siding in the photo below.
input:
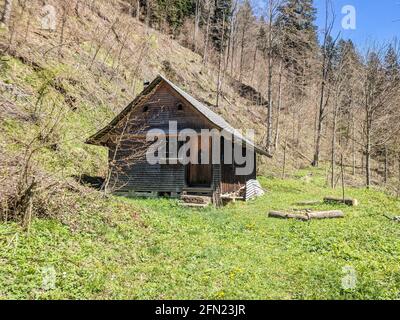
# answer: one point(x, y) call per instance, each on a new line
point(230, 182)
point(158, 110)
point(133, 173)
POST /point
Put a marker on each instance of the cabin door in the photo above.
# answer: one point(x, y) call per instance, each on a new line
point(200, 175)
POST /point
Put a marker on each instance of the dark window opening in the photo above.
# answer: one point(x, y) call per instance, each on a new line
point(180, 106)
point(145, 108)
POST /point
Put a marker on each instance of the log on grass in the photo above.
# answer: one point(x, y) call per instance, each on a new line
point(326, 214)
point(308, 216)
point(346, 201)
point(285, 215)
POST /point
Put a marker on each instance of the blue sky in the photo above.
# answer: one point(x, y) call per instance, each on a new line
point(375, 20)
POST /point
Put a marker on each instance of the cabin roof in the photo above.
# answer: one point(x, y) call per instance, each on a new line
point(216, 119)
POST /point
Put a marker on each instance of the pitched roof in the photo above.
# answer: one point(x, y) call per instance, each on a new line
point(214, 118)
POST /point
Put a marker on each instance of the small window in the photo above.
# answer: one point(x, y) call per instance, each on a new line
point(145, 108)
point(180, 106)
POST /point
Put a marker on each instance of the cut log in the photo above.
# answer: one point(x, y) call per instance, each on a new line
point(285, 215)
point(346, 201)
point(307, 216)
point(326, 214)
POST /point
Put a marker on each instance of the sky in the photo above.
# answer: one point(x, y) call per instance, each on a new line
point(375, 20)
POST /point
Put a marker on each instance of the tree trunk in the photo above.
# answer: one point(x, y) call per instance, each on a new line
point(241, 55)
point(342, 174)
point(233, 51)
point(333, 145)
point(279, 107)
point(368, 152)
point(269, 94)
point(319, 126)
point(147, 22)
point(64, 21)
point(284, 159)
point(254, 65)
point(221, 53)
point(196, 25)
point(324, 78)
point(207, 35)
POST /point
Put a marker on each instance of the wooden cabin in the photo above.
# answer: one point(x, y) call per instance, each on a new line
point(161, 102)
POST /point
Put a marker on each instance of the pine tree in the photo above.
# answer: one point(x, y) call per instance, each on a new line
point(220, 22)
point(392, 65)
point(298, 35)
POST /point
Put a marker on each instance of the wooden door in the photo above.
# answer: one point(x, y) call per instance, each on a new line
point(200, 175)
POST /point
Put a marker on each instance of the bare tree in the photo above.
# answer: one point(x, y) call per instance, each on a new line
point(273, 5)
point(208, 4)
point(327, 55)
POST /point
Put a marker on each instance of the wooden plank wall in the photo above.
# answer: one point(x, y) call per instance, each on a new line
point(230, 182)
point(161, 108)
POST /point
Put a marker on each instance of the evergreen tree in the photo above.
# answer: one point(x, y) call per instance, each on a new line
point(298, 35)
point(392, 65)
point(262, 38)
point(220, 23)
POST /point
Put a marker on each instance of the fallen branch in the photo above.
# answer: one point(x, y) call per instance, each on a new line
point(308, 215)
point(346, 201)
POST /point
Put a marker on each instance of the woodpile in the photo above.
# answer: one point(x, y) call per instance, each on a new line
point(307, 215)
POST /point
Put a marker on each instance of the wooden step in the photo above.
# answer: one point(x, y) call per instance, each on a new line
point(198, 191)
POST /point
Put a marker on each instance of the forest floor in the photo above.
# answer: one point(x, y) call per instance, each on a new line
point(155, 249)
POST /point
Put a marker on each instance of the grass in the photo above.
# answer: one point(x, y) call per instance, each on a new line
point(154, 249)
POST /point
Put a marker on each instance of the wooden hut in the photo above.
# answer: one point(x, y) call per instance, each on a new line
point(160, 103)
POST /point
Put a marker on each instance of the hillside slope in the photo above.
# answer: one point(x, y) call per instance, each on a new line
point(89, 70)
